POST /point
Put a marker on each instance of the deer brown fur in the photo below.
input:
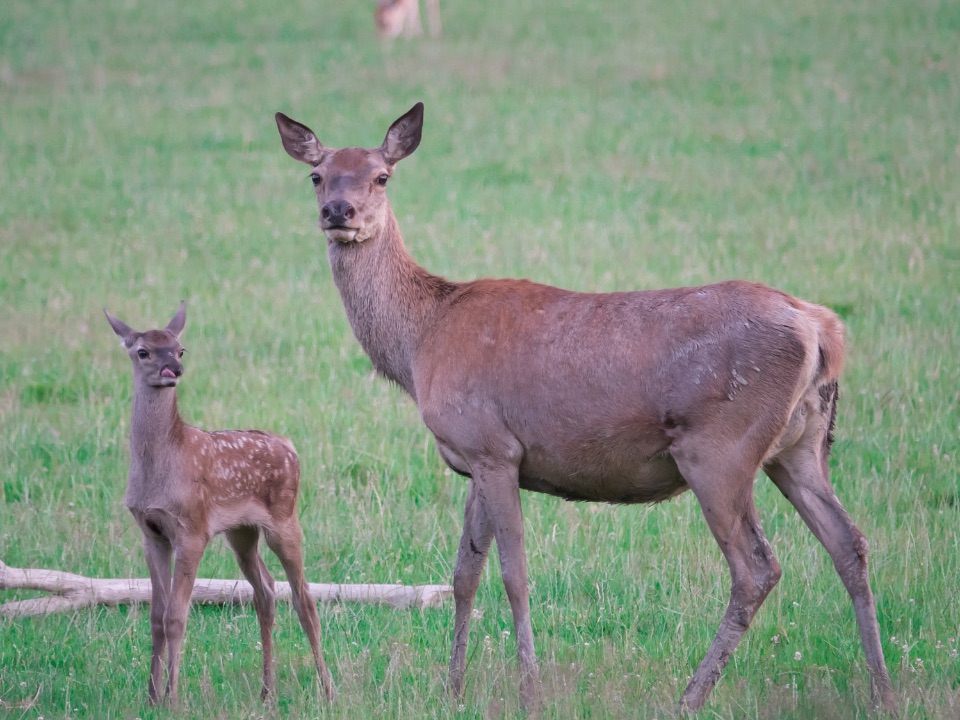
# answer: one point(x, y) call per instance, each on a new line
point(187, 485)
point(395, 17)
point(613, 397)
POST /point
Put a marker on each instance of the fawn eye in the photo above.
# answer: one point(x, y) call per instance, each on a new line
point(181, 352)
point(142, 354)
point(382, 179)
point(315, 179)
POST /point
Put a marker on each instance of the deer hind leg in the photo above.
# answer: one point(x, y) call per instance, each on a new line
point(244, 540)
point(802, 475)
point(471, 557)
point(158, 553)
point(725, 495)
point(287, 545)
point(187, 558)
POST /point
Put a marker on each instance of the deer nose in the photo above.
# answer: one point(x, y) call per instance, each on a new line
point(337, 212)
point(172, 369)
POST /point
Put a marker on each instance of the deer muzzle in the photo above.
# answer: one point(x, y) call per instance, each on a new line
point(170, 374)
point(336, 218)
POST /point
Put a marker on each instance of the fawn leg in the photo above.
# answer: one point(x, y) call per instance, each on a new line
point(158, 552)
point(286, 542)
point(187, 554)
point(244, 540)
point(725, 495)
point(471, 557)
point(804, 480)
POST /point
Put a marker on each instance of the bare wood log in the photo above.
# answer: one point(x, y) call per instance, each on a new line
point(71, 592)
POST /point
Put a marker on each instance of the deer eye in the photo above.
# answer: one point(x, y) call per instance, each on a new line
point(142, 354)
point(382, 179)
point(315, 179)
point(181, 352)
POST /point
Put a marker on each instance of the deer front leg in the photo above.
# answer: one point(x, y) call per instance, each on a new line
point(186, 560)
point(158, 552)
point(471, 557)
point(499, 490)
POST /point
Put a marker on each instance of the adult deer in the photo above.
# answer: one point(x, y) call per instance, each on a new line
point(393, 17)
point(615, 397)
point(187, 485)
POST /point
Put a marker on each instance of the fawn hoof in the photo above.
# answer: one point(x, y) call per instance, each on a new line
point(887, 703)
point(329, 692)
point(690, 705)
point(531, 696)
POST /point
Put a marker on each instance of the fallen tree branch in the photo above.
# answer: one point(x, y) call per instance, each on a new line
point(72, 592)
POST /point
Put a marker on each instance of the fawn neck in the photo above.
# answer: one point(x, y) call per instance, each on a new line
point(155, 434)
point(388, 297)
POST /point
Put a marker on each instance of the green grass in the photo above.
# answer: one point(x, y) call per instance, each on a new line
point(810, 145)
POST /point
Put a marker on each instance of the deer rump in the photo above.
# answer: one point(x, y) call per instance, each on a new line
point(596, 387)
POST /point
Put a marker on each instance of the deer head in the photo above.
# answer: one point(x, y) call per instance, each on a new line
point(351, 183)
point(156, 354)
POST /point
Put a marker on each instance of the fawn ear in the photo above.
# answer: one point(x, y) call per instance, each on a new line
point(403, 137)
point(299, 141)
point(126, 333)
point(176, 325)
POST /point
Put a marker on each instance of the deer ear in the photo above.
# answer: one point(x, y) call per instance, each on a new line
point(299, 141)
point(403, 137)
point(126, 333)
point(176, 325)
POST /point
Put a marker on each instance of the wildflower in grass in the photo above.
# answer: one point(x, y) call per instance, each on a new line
point(797, 656)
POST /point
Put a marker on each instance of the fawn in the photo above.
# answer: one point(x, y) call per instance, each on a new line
point(187, 485)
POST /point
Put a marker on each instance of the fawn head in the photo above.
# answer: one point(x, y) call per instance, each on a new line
point(351, 183)
point(156, 354)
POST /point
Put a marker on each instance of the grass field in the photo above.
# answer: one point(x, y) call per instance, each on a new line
point(812, 145)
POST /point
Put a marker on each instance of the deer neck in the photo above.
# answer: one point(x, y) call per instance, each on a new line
point(155, 433)
point(388, 297)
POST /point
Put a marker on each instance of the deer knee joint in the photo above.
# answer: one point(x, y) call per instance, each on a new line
point(174, 626)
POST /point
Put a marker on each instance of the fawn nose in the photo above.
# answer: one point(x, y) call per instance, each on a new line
point(337, 212)
point(173, 370)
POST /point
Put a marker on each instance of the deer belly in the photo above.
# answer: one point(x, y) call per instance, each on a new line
point(653, 480)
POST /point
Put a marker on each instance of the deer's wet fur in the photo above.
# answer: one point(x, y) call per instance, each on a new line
point(621, 397)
